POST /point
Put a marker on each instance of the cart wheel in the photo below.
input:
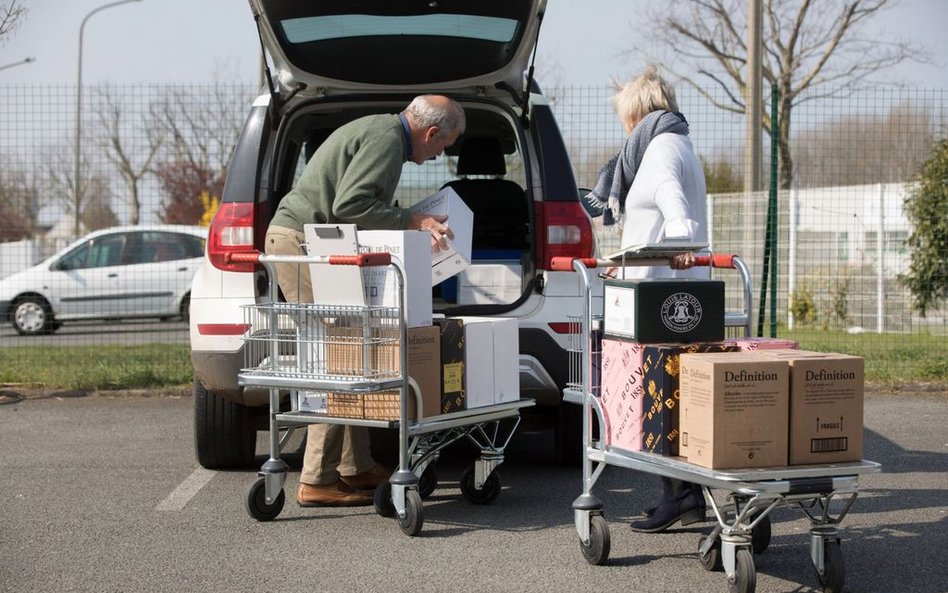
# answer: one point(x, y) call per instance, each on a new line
point(257, 506)
point(382, 501)
point(745, 575)
point(428, 482)
point(413, 520)
point(834, 570)
point(712, 560)
point(760, 535)
point(596, 552)
point(486, 494)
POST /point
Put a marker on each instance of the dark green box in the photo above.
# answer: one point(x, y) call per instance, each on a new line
point(664, 311)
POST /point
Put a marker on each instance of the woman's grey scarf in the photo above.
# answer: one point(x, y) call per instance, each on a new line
point(616, 176)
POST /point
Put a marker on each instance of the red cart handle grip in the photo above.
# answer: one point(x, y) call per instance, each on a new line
point(565, 264)
point(361, 260)
point(718, 260)
point(242, 256)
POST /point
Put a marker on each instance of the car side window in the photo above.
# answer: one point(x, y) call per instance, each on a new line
point(96, 253)
point(161, 247)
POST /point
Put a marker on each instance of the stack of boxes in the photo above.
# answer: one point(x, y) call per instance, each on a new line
point(457, 363)
point(673, 385)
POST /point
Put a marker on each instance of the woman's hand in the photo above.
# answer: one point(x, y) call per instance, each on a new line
point(682, 261)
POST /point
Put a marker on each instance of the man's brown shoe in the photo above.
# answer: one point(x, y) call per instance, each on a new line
point(369, 480)
point(337, 494)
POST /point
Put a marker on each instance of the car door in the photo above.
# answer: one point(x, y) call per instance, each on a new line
point(159, 270)
point(85, 282)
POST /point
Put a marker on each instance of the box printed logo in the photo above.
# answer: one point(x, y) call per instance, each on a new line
point(681, 312)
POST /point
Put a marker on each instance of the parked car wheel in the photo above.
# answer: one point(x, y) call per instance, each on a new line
point(225, 436)
point(32, 316)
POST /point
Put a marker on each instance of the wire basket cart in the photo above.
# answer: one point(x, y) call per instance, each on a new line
point(746, 498)
point(350, 364)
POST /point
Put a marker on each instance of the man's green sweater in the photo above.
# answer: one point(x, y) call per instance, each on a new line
point(351, 179)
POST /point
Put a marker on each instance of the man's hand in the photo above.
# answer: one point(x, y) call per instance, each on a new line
point(440, 233)
point(682, 261)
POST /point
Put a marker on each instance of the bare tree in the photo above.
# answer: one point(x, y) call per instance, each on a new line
point(811, 50)
point(124, 145)
point(20, 201)
point(61, 185)
point(10, 16)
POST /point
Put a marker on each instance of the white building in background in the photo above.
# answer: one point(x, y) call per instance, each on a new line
point(857, 221)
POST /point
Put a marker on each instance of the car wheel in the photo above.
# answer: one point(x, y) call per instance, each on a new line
point(225, 436)
point(33, 316)
point(185, 307)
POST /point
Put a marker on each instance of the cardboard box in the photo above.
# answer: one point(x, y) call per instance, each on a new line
point(734, 410)
point(621, 393)
point(750, 344)
point(826, 406)
point(357, 351)
point(660, 404)
point(344, 404)
point(452, 364)
point(445, 264)
point(664, 311)
point(491, 361)
point(381, 283)
point(490, 284)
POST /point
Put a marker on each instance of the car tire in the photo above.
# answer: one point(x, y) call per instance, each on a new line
point(32, 316)
point(185, 307)
point(225, 436)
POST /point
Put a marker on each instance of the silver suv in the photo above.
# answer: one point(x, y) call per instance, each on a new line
point(333, 62)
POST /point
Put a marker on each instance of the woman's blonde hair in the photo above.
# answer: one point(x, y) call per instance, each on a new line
point(642, 95)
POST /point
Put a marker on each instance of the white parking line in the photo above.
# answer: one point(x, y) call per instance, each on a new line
point(186, 490)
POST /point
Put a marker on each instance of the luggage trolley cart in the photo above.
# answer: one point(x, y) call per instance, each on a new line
point(743, 516)
point(346, 353)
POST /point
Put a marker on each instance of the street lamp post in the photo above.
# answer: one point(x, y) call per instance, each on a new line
point(78, 174)
point(20, 63)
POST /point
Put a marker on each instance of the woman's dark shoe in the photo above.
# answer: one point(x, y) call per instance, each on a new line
point(688, 509)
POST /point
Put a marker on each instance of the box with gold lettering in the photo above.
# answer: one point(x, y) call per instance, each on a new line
point(660, 365)
point(452, 364)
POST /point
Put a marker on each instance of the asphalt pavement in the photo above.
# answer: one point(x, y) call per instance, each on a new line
point(103, 494)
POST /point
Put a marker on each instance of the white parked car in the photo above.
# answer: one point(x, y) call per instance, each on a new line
point(113, 273)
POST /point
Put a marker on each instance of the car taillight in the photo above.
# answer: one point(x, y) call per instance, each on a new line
point(565, 230)
point(231, 232)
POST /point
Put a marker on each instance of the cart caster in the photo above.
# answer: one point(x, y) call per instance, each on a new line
point(413, 519)
point(486, 494)
point(428, 482)
point(760, 535)
point(596, 551)
point(834, 570)
point(712, 560)
point(382, 501)
point(744, 579)
point(257, 506)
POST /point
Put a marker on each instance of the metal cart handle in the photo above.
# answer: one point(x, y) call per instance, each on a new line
point(361, 260)
point(717, 260)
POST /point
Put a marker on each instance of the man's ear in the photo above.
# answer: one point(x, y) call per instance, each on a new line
point(431, 133)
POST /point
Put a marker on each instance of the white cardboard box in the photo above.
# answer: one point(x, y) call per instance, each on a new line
point(490, 284)
point(457, 257)
point(334, 285)
point(312, 401)
point(380, 282)
point(491, 360)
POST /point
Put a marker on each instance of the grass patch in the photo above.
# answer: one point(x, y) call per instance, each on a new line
point(97, 367)
point(891, 359)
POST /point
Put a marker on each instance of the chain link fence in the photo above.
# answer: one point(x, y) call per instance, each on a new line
point(159, 153)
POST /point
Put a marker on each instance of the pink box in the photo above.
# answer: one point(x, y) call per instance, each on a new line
point(752, 343)
point(621, 393)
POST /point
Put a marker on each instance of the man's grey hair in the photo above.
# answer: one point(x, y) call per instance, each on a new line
point(436, 110)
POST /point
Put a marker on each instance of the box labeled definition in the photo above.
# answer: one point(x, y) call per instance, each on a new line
point(826, 406)
point(424, 364)
point(445, 264)
point(661, 401)
point(380, 283)
point(734, 410)
point(664, 311)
